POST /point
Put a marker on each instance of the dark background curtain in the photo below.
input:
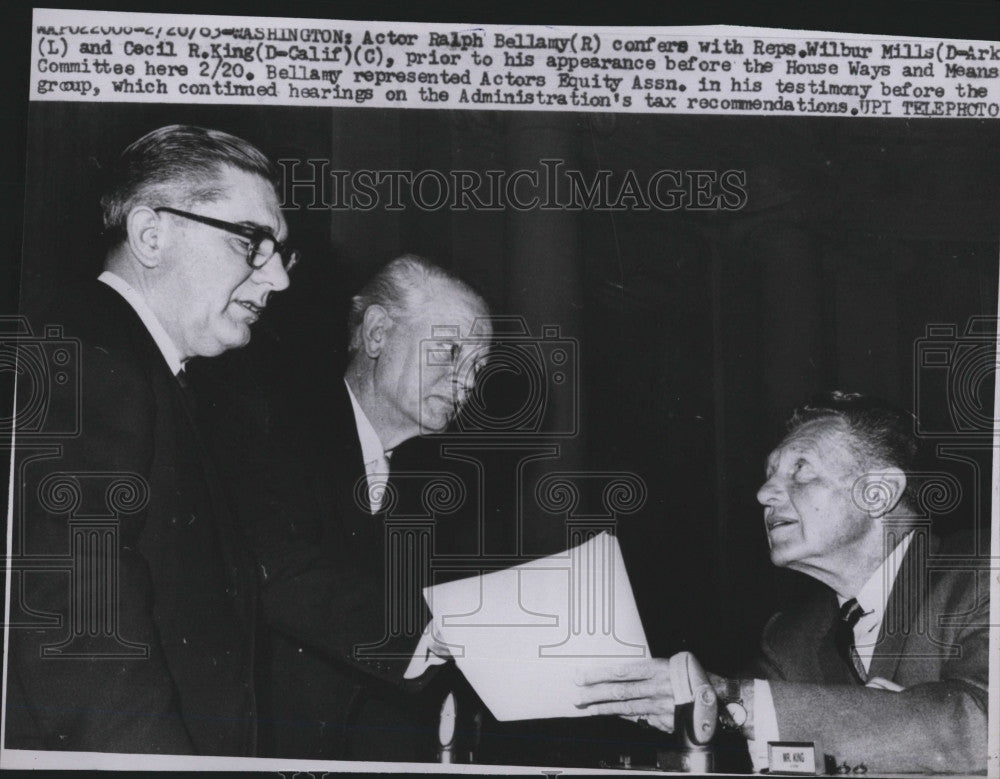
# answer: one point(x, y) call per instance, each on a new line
point(692, 333)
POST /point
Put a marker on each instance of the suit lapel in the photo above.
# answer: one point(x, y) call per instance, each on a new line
point(337, 482)
point(905, 612)
point(171, 396)
point(229, 542)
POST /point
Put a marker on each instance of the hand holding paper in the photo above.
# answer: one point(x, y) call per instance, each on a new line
point(431, 650)
point(650, 691)
point(523, 635)
point(636, 691)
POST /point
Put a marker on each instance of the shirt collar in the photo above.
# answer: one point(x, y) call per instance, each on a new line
point(371, 444)
point(166, 346)
point(874, 593)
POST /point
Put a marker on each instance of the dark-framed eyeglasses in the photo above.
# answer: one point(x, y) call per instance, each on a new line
point(261, 243)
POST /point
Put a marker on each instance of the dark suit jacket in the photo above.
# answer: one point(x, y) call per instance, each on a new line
point(934, 642)
point(183, 588)
point(323, 587)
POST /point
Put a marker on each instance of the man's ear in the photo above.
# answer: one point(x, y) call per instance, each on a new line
point(879, 492)
point(145, 235)
point(373, 330)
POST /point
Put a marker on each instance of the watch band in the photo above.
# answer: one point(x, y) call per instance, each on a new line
point(732, 712)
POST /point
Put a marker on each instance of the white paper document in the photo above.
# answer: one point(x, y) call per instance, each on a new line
point(520, 635)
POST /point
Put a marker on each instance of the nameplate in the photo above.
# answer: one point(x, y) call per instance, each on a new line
point(796, 758)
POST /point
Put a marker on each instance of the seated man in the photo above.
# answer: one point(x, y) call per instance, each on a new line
point(869, 669)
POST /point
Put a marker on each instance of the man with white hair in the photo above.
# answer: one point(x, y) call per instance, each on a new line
point(418, 336)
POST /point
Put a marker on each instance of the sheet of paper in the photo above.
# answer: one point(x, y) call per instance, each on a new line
point(520, 635)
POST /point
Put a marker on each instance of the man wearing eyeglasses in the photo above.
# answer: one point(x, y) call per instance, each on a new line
point(160, 619)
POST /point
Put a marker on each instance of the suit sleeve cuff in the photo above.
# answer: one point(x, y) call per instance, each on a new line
point(765, 724)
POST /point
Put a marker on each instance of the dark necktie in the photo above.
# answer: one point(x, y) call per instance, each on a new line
point(843, 637)
point(187, 392)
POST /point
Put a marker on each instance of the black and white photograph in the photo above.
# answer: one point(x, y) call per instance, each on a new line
point(501, 435)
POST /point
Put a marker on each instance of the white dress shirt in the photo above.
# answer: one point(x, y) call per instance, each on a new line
point(873, 597)
point(166, 346)
point(375, 457)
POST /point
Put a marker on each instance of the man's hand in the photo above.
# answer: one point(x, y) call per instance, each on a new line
point(435, 644)
point(431, 650)
point(636, 691)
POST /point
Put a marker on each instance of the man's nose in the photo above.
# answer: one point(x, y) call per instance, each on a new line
point(769, 492)
point(273, 272)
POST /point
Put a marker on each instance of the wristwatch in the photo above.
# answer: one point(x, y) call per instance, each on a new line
point(733, 712)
